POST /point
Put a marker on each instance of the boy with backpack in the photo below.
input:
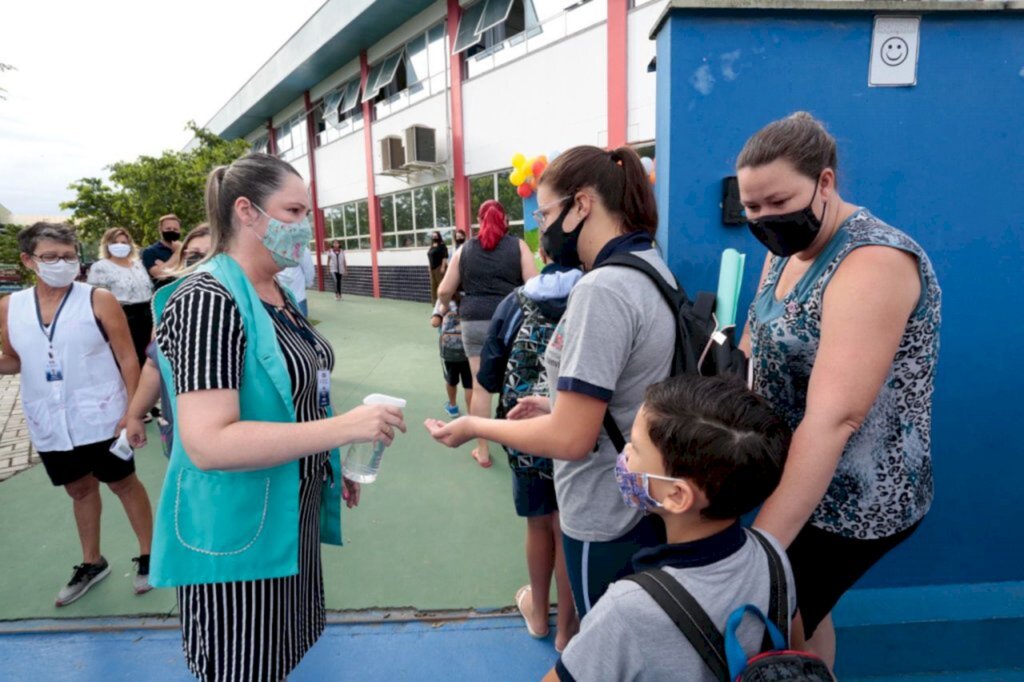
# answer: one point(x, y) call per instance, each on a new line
point(704, 451)
point(453, 355)
point(512, 365)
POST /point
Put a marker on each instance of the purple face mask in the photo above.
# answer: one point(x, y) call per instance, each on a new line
point(635, 487)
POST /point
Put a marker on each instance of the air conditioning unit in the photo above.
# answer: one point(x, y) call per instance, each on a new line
point(391, 153)
point(420, 141)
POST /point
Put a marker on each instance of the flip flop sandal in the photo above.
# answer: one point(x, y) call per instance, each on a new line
point(521, 594)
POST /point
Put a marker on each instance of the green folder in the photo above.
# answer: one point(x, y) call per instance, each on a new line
point(730, 280)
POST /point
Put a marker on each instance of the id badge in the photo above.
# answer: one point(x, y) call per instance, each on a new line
point(53, 371)
point(323, 387)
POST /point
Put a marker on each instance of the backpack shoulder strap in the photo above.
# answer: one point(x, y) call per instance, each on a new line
point(674, 296)
point(691, 619)
point(778, 598)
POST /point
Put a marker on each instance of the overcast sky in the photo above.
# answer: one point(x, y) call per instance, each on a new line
point(109, 80)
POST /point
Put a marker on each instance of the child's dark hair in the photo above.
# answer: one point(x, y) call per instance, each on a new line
point(720, 435)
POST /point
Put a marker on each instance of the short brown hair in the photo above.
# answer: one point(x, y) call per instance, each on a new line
point(617, 176)
point(62, 233)
point(169, 216)
point(799, 138)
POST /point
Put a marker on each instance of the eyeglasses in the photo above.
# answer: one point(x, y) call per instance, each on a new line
point(539, 215)
point(50, 259)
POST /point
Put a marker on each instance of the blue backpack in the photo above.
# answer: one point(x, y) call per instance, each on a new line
point(525, 374)
point(450, 342)
point(723, 654)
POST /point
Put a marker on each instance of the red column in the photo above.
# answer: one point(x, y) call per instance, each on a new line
point(460, 183)
point(271, 138)
point(318, 215)
point(618, 95)
point(371, 192)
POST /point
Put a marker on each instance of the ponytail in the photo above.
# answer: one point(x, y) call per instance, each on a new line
point(617, 177)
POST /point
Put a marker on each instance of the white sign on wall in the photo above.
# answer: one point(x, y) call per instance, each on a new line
point(894, 48)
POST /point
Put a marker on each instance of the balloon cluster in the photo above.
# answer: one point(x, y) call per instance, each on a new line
point(526, 172)
point(649, 167)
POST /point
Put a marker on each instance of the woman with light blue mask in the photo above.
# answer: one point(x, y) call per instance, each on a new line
point(254, 481)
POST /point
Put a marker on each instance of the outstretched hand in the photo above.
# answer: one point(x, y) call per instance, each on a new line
point(453, 433)
point(530, 406)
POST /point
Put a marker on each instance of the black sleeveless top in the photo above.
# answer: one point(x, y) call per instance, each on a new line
point(488, 276)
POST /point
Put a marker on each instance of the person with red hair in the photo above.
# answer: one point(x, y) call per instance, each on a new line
point(486, 270)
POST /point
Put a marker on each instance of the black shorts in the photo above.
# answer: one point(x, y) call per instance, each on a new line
point(826, 565)
point(533, 494)
point(454, 371)
point(65, 467)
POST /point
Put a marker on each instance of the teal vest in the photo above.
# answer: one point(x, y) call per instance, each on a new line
point(223, 526)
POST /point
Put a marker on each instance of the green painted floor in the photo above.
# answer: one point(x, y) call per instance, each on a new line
point(435, 531)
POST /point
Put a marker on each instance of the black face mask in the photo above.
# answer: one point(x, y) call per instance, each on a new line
point(169, 236)
point(559, 245)
point(788, 233)
point(193, 259)
point(460, 240)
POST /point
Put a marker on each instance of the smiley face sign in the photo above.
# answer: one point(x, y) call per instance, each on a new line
point(895, 51)
point(895, 43)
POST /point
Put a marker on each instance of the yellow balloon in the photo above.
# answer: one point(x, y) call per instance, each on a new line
point(518, 160)
point(516, 177)
point(528, 167)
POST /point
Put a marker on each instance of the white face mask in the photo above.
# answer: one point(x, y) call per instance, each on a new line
point(120, 250)
point(58, 275)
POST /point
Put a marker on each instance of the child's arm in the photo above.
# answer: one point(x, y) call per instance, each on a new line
point(142, 402)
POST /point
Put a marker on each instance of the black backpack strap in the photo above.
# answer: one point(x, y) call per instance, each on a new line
point(778, 597)
point(674, 296)
point(691, 619)
point(612, 429)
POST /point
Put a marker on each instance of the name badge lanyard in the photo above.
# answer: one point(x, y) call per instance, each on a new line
point(323, 373)
point(53, 368)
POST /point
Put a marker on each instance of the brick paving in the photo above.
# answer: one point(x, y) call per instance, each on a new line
point(16, 453)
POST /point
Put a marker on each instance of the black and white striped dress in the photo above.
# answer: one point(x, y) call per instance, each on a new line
point(249, 630)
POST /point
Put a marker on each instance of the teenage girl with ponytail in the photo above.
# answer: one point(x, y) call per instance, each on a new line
point(616, 338)
point(486, 270)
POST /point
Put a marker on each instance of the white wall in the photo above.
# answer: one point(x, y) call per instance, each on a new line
point(431, 113)
point(341, 170)
point(544, 101)
point(641, 85)
point(388, 257)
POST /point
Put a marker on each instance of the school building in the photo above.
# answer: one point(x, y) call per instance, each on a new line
point(404, 114)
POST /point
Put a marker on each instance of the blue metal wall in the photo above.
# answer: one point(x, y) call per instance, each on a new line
point(944, 161)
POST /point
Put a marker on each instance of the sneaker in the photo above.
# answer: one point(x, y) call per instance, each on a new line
point(141, 581)
point(452, 410)
point(84, 577)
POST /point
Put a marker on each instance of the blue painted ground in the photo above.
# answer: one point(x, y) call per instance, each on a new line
point(492, 648)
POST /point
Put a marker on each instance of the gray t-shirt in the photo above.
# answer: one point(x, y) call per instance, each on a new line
point(616, 338)
point(627, 636)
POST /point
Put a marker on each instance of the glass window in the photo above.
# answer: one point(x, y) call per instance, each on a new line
point(435, 49)
point(332, 102)
point(509, 197)
point(481, 188)
point(351, 97)
point(417, 66)
point(387, 215)
point(388, 68)
point(442, 205)
point(389, 241)
point(364, 242)
point(495, 12)
point(423, 239)
point(363, 211)
point(467, 36)
point(351, 228)
point(283, 137)
point(371, 91)
point(423, 201)
point(403, 211)
point(260, 145)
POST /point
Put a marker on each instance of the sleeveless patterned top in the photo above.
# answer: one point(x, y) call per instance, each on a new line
point(883, 483)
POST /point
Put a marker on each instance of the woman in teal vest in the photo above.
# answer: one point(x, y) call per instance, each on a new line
point(254, 481)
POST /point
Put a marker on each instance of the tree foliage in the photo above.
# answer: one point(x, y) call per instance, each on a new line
point(140, 191)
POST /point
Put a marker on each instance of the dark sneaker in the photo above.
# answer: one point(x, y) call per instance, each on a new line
point(141, 580)
point(84, 577)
